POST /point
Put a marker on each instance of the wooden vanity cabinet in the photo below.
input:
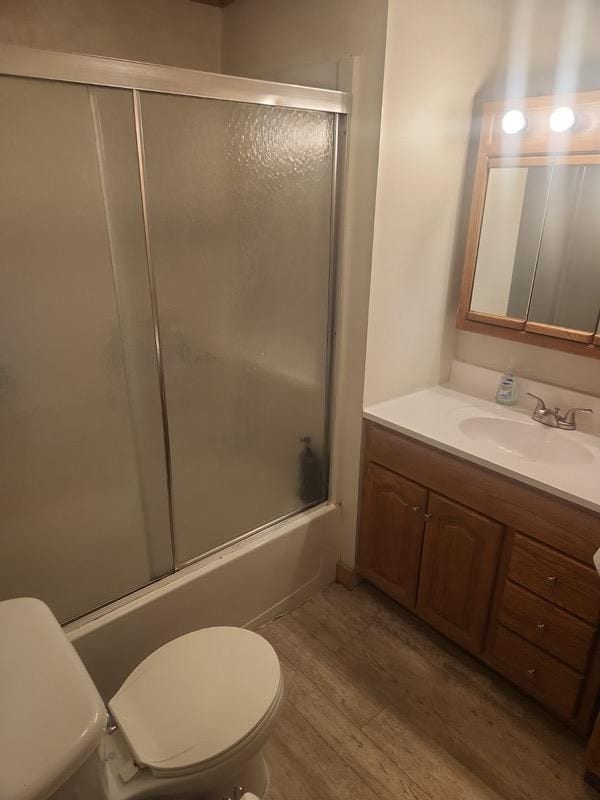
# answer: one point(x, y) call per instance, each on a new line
point(502, 569)
point(391, 556)
point(393, 508)
point(458, 570)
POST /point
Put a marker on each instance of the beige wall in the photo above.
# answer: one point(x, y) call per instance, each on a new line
point(438, 55)
point(272, 38)
point(174, 32)
point(537, 363)
point(302, 42)
point(548, 46)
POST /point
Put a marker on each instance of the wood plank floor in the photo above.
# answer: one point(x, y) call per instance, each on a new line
point(379, 707)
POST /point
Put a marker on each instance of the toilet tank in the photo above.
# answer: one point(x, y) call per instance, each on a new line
point(52, 716)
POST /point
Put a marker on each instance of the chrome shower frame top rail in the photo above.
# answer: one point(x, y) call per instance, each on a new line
point(27, 62)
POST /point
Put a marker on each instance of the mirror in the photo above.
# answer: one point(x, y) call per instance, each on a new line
point(532, 255)
point(566, 290)
point(513, 218)
point(539, 250)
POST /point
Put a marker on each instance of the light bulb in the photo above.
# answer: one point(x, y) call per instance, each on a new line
point(514, 121)
point(562, 119)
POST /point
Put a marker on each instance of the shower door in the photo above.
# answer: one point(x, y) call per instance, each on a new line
point(239, 205)
point(84, 506)
point(166, 297)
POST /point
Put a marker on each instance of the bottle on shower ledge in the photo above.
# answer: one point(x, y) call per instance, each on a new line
point(310, 473)
point(506, 394)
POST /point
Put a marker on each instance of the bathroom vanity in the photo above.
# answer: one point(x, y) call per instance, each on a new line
point(484, 524)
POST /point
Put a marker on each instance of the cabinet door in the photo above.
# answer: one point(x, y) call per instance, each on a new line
point(460, 555)
point(391, 533)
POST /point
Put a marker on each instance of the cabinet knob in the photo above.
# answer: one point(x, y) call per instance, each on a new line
point(427, 517)
point(540, 627)
point(551, 579)
point(415, 508)
point(531, 673)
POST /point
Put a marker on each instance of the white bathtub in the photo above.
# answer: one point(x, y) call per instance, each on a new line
point(247, 584)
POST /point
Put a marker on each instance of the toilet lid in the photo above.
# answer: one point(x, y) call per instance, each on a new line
point(196, 697)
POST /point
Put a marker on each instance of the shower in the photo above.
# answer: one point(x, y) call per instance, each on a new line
point(168, 248)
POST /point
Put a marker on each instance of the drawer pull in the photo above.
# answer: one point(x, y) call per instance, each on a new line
point(531, 673)
point(540, 627)
point(428, 517)
point(416, 508)
point(551, 579)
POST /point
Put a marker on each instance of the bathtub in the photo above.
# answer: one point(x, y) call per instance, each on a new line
point(246, 584)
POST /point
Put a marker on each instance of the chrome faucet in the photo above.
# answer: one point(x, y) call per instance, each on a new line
point(552, 416)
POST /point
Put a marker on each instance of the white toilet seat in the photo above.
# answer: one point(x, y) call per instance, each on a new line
point(198, 700)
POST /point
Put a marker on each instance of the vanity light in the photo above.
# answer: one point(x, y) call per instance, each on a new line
point(562, 119)
point(514, 121)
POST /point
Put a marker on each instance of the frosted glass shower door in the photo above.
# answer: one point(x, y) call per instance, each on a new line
point(83, 492)
point(239, 201)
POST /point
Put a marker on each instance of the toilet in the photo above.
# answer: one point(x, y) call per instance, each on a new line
point(189, 723)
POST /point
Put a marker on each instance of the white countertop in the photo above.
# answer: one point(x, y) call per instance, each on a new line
point(562, 463)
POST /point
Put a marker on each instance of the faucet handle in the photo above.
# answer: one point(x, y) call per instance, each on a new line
point(569, 417)
point(541, 406)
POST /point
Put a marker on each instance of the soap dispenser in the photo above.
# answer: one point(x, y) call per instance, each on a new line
point(310, 470)
point(506, 394)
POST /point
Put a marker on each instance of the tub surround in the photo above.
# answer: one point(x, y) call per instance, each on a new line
point(484, 524)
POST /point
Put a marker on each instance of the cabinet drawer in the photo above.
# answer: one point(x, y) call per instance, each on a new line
point(538, 673)
point(555, 631)
point(556, 577)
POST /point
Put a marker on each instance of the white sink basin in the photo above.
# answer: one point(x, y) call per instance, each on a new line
point(527, 440)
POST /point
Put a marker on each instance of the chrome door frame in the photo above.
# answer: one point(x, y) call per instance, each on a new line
point(28, 62)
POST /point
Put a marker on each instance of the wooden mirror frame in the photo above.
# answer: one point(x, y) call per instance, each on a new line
point(537, 145)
